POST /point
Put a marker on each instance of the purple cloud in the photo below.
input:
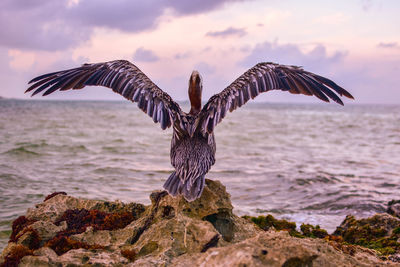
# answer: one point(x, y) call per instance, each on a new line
point(56, 25)
point(40, 25)
point(315, 60)
point(388, 45)
point(229, 32)
point(146, 55)
point(197, 6)
point(204, 68)
point(183, 55)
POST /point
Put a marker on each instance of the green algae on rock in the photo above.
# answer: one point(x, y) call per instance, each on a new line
point(266, 222)
point(309, 230)
point(380, 232)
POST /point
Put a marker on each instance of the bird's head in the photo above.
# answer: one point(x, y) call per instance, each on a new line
point(195, 89)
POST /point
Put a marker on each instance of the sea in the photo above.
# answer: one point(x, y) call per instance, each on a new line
point(313, 163)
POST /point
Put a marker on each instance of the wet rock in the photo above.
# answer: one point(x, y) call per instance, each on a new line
point(68, 231)
point(394, 208)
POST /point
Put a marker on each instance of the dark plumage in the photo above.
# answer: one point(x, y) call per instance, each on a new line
point(193, 144)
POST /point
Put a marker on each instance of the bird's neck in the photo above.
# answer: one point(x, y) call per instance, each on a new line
point(195, 98)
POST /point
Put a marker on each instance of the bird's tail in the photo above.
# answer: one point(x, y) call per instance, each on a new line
point(190, 192)
point(173, 184)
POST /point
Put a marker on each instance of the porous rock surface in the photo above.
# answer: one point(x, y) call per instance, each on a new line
point(169, 232)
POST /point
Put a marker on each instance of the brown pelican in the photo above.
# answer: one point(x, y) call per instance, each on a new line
point(193, 144)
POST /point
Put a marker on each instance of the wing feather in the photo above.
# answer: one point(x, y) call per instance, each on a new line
point(123, 78)
point(265, 77)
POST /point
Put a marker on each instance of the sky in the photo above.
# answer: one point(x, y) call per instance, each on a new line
point(356, 43)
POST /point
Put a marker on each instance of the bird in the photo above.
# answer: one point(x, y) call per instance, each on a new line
point(193, 144)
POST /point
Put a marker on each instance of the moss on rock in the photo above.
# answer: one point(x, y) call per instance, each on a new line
point(309, 230)
point(380, 232)
point(266, 222)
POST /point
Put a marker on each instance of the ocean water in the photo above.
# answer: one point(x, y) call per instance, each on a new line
point(312, 163)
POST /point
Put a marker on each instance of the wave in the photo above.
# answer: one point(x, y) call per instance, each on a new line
point(21, 151)
point(74, 148)
point(42, 144)
point(351, 203)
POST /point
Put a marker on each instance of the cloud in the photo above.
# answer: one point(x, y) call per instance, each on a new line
point(229, 32)
point(8, 76)
point(58, 25)
point(146, 55)
point(204, 68)
point(315, 60)
point(183, 55)
point(197, 6)
point(367, 5)
point(124, 15)
point(38, 25)
point(388, 45)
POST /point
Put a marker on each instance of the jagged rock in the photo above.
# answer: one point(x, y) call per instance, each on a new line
point(76, 257)
point(273, 248)
point(45, 229)
point(382, 222)
point(395, 258)
point(65, 231)
point(394, 208)
point(380, 232)
point(54, 207)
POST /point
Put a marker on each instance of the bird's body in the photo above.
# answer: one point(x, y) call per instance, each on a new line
point(191, 157)
point(193, 143)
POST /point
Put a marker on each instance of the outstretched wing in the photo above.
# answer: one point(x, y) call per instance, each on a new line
point(123, 78)
point(264, 77)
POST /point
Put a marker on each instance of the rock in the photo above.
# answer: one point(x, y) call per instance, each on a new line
point(381, 224)
point(394, 208)
point(273, 248)
point(76, 257)
point(54, 207)
point(395, 258)
point(65, 231)
point(45, 230)
point(380, 232)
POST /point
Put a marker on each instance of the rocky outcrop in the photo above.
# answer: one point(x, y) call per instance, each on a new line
point(380, 232)
point(394, 208)
point(65, 231)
